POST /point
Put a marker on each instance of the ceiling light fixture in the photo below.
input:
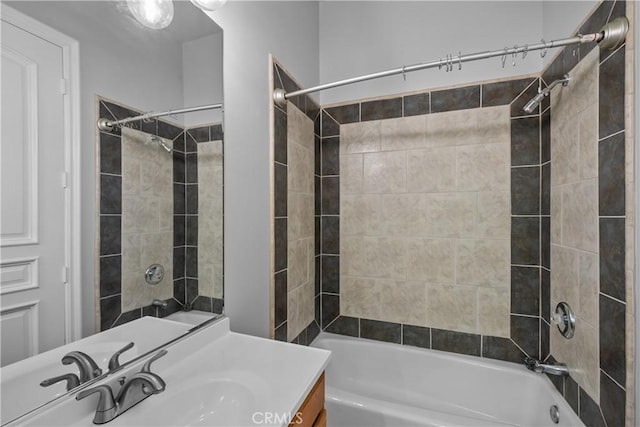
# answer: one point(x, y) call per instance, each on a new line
point(154, 14)
point(209, 5)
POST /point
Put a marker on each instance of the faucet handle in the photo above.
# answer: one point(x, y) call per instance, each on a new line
point(72, 381)
point(107, 408)
point(114, 363)
point(158, 355)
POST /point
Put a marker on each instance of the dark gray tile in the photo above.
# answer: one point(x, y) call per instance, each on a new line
point(525, 141)
point(179, 230)
point(380, 331)
point(149, 126)
point(415, 105)
point(110, 235)
point(611, 94)
point(110, 154)
point(280, 189)
point(179, 199)
point(317, 196)
point(344, 325)
point(566, 59)
point(518, 104)
point(612, 339)
point(590, 411)
point(318, 309)
point(416, 336)
point(200, 134)
point(571, 393)
point(525, 333)
point(192, 198)
point(150, 310)
point(110, 275)
point(280, 244)
point(180, 290)
point(109, 311)
point(611, 176)
point(192, 168)
point(612, 401)
point(191, 262)
point(330, 235)
point(216, 132)
point(317, 288)
point(280, 137)
point(203, 303)
point(329, 126)
point(173, 306)
point(455, 99)
point(317, 156)
point(119, 112)
point(501, 349)
point(291, 86)
point(110, 194)
point(525, 290)
point(218, 305)
point(612, 257)
point(545, 190)
point(192, 230)
point(311, 108)
point(128, 317)
point(331, 274)
point(525, 241)
point(545, 241)
point(316, 124)
point(179, 164)
point(280, 297)
point(545, 294)
point(381, 109)
point(301, 339)
point(313, 330)
point(556, 380)
point(545, 137)
point(178, 262)
point(280, 333)
point(191, 290)
point(169, 131)
point(502, 93)
point(455, 342)
point(330, 308)
point(178, 142)
point(317, 234)
point(190, 144)
point(594, 23)
point(331, 156)
point(331, 195)
point(343, 114)
point(277, 82)
point(545, 340)
point(525, 190)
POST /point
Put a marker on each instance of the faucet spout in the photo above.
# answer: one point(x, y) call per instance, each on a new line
point(87, 367)
point(137, 388)
point(535, 365)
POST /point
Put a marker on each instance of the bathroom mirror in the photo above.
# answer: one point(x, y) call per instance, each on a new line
point(158, 182)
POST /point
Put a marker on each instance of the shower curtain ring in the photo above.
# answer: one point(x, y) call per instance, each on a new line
point(525, 51)
point(440, 64)
point(450, 62)
point(504, 56)
point(459, 61)
point(544, 52)
point(515, 54)
point(404, 75)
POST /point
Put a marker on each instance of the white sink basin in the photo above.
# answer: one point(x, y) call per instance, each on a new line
point(213, 378)
point(20, 389)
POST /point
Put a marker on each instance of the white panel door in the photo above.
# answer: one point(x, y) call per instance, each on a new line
point(32, 225)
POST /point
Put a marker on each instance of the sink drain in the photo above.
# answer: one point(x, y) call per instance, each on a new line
point(554, 413)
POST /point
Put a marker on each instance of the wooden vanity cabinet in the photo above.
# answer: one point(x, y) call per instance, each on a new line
point(312, 412)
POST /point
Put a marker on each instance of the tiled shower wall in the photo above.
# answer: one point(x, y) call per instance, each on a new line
point(112, 309)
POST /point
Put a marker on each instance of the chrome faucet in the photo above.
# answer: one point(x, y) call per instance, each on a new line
point(114, 362)
point(160, 303)
point(87, 367)
point(72, 381)
point(133, 391)
point(535, 366)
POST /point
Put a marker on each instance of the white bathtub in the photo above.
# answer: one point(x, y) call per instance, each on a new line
point(370, 383)
point(193, 317)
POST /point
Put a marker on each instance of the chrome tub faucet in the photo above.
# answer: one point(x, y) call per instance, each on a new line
point(536, 366)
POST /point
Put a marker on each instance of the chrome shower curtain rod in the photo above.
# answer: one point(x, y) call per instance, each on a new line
point(107, 125)
point(611, 36)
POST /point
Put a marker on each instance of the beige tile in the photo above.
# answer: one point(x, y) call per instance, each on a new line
point(385, 257)
point(298, 266)
point(364, 137)
point(300, 169)
point(452, 307)
point(416, 215)
point(300, 210)
point(157, 248)
point(352, 261)
point(130, 177)
point(483, 263)
point(140, 214)
point(589, 142)
point(131, 253)
point(351, 173)
point(451, 214)
point(293, 315)
point(156, 179)
point(589, 288)
point(394, 210)
point(494, 312)
point(403, 302)
point(556, 215)
point(206, 274)
point(580, 215)
point(299, 128)
point(431, 260)
point(586, 366)
point(483, 167)
point(360, 297)
point(165, 212)
point(359, 214)
point(494, 214)
point(452, 128)
point(404, 133)
point(565, 150)
point(306, 304)
point(137, 293)
point(385, 172)
point(564, 276)
point(494, 125)
point(431, 170)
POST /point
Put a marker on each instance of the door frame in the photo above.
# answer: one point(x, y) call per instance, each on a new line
point(72, 217)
